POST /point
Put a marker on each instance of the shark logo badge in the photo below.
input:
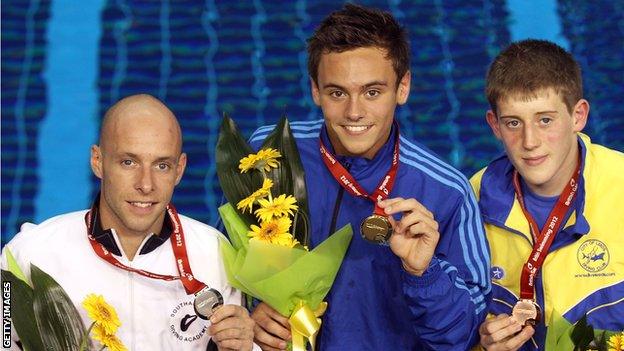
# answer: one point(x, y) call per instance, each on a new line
point(593, 255)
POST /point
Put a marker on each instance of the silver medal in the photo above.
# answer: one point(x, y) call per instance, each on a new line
point(206, 301)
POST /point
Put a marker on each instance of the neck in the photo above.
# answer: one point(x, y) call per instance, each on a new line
point(130, 244)
point(130, 239)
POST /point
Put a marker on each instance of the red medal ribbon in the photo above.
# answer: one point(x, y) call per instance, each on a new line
point(346, 180)
point(541, 243)
point(191, 285)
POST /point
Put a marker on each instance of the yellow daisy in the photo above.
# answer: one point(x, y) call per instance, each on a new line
point(268, 159)
point(277, 207)
point(264, 160)
point(275, 232)
point(111, 341)
point(616, 342)
point(247, 203)
point(101, 313)
point(248, 162)
point(287, 241)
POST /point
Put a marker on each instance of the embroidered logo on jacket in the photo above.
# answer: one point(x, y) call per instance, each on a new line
point(184, 324)
point(497, 273)
point(593, 255)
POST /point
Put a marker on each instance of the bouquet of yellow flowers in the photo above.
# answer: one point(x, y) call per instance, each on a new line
point(267, 221)
point(46, 319)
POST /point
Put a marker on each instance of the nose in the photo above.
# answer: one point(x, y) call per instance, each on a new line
point(145, 182)
point(531, 138)
point(354, 110)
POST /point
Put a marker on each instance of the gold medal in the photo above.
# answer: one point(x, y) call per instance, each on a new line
point(526, 312)
point(206, 302)
point(376, 229)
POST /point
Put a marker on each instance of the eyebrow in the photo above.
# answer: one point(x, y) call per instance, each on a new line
point(366, 86)
point(159, 159)
point(542, 112)
point(536, 113)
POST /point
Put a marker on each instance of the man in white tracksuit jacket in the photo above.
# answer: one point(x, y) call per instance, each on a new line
point(132, 239)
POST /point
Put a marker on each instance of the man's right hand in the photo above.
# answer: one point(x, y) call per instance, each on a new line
point(272, 330)
point(503, 333)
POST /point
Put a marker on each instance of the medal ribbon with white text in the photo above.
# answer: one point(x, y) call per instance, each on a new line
point(191, 285)
point(541, 243)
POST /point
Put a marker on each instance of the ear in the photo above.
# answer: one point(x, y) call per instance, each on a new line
point(96, 161)
point(316, 94)
point(580, 114)
point(180, 168)
point(492, 120)
point(403, 89)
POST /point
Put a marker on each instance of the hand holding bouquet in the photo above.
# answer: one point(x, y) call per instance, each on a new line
point(268, 224)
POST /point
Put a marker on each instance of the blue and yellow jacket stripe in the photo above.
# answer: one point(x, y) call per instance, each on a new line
point(584, 270)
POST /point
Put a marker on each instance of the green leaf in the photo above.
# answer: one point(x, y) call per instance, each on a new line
point(14, 267)
point(602, 341)
point(558, 333)
point(22, 313)
point(582, 334)
point(237, 229)
point(289, 177)
point(231, 147)
point(58, 320)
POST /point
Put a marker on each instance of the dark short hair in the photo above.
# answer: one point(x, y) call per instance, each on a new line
point(528, 66)
point(355, 27)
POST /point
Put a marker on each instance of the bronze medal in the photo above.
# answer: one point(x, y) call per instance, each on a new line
point(376, 229)
point(206, 301)
point(526, 312)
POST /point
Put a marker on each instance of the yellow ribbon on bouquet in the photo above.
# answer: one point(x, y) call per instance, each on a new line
point(305, 325)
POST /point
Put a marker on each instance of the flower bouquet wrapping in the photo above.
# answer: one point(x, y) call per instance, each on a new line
point(46, 319)
point(581, 336)
point(267, 221)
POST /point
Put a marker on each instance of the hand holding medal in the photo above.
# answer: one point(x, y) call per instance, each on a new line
point(415, 236)
point(526, 312)
point(503, 332)
point(231, 328)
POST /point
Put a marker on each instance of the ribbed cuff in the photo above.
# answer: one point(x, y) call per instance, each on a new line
point(429, 276)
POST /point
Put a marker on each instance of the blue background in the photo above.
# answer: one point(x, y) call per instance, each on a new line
point(65, 62)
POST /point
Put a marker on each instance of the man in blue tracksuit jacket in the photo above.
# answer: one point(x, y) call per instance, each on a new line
point(429, 286)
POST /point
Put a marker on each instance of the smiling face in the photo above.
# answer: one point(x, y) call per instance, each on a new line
point(358, 93)
point(539, 136)
point(139, 163)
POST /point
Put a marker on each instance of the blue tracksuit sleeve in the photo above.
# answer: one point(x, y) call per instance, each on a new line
point(448, 302)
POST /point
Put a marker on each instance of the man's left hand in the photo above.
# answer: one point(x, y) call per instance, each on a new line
point(414, 236)
point(232, 328)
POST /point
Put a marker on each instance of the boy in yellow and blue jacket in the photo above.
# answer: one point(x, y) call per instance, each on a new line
point(537, 111)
